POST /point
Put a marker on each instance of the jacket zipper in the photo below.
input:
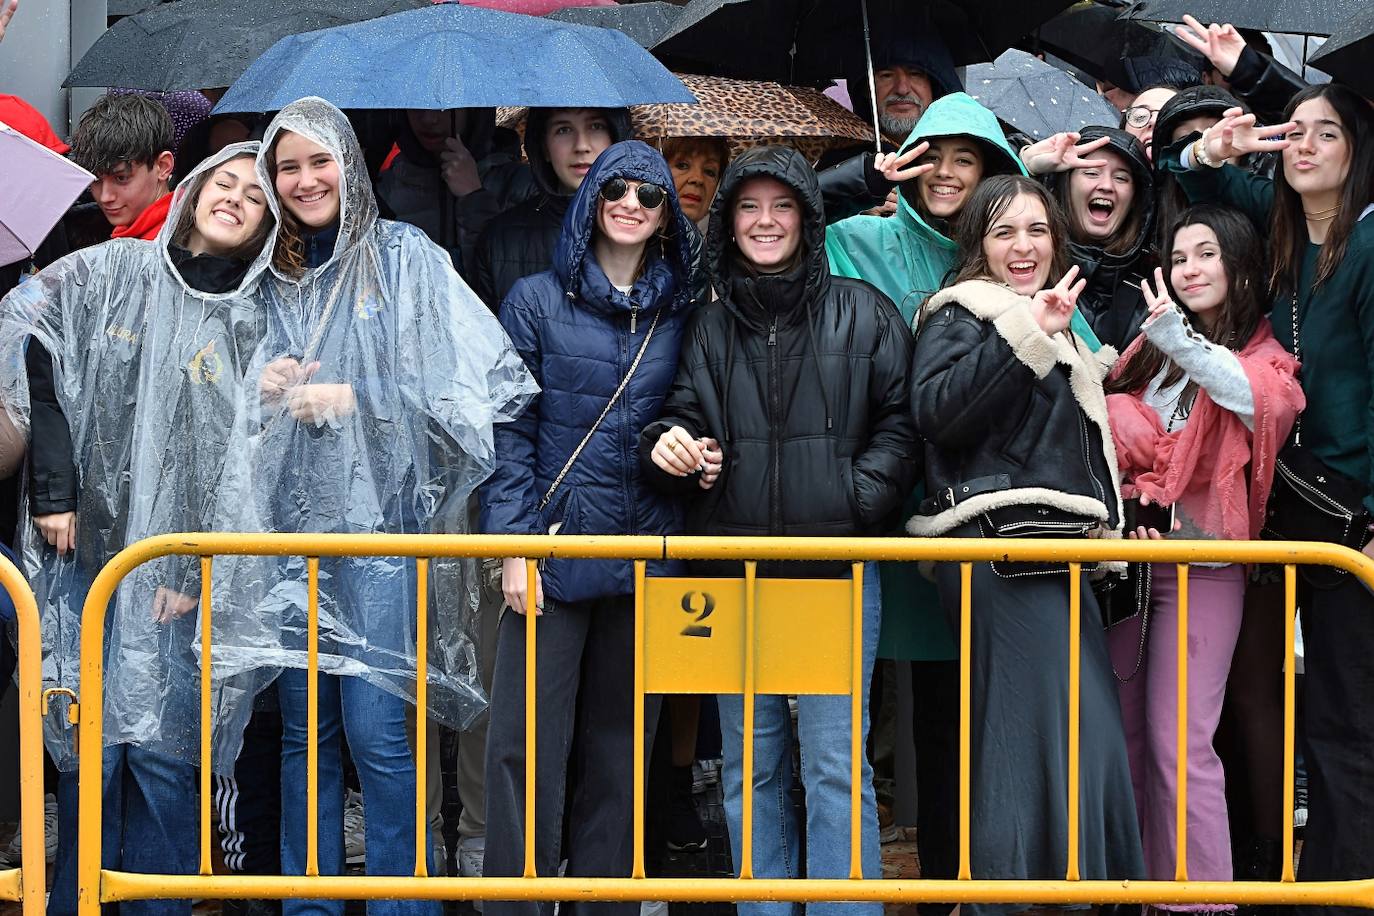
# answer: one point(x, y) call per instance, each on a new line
point(775, 409)
point(634, 317)
point(625, 432)
point(1088, 460)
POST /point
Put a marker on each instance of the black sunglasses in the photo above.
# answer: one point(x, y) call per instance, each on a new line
point(651, 196)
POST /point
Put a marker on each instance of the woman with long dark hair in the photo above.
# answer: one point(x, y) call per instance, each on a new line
point(1199, 407)
point(1010, 404)
point(1321, 281)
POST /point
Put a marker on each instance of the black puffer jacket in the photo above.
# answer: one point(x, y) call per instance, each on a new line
point(520, 241)
point(1008, 412)
point(802, 378)
point(1112, 302)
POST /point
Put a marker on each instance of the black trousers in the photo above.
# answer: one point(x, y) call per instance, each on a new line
point(1338, 734)
point(584, 747)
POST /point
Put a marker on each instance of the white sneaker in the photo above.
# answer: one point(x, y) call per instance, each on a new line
point(355, 838)
point(14, 852)
point(471, 849)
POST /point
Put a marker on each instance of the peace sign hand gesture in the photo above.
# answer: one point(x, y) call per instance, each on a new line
point(893, 166)
point(1053, 308)
point(1159, 302)
point(1236, 134)
point(1220, 44)
point(1062, 152)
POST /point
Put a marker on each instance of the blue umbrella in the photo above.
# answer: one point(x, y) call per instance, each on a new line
point(454, 56)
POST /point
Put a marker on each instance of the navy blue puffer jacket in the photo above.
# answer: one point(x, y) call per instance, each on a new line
point(578, 335)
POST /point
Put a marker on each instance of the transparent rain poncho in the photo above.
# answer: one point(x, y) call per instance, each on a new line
point(148, 373)
point(430, 371)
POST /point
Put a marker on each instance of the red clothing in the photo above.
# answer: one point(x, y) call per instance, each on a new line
point(1217, 471)
point(26, 119)
point(149, 222)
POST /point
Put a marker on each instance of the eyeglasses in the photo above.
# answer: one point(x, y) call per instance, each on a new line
point(651, 196)
point(1140, 115)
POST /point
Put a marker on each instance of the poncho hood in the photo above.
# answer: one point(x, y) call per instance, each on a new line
point(668, 266)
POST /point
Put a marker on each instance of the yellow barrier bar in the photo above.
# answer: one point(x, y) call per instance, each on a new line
point(421, 717)
point(746, 840)
point(206, 682)
point(637, 868)
point(29, 883)
point(128, 886)
point(1290, 675)
point(1075, 694)
point(312, 719)
point(531, 704)
point(856, 698)
point(89, 736)
point(965, 714)
point(1181, 776)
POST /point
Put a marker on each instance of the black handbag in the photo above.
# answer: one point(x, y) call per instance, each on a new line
point(1037, 522)
point(1309, 501)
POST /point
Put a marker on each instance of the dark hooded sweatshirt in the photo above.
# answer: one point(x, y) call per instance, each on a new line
point(802, 378)
point(520, 242)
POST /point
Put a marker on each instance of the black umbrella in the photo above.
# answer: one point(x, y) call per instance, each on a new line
point(644, 23)
point(1298, 17)
point(1037, 98)
point(129, 7)
point(1347, 54)
point(207, 44)
point(1089, 36)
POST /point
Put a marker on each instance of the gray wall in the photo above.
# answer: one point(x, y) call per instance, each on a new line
point(42, 43)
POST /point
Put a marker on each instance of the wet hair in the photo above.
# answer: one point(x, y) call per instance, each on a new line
point(181, 233)
point(289, 256)
point(1242, 259)
point(119, 129)
point(1288, 226)
point(990, 200)
point(711, 147)
point(1124, 238)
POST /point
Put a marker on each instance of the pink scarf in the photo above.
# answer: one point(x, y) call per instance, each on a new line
point(1203, 466)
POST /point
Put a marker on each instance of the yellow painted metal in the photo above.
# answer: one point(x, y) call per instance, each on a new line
point(965, 717)
point(28, 883)
point(312, 719)
point(206, 683)
point(856, 697)
point(110, 886)
point(1290, 676)
point(694, 635)
point(1075, 693)
point(421, 716)
point(532, 611)
point(1181, 734)
point(637, 865)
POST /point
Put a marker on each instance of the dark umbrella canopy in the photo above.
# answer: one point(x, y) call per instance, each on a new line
point(454, 56)
point(1037, 98)
point(644, 23)
point(1348, 55)
point(1299, 17)
point(1089, 36)
point(207, 44)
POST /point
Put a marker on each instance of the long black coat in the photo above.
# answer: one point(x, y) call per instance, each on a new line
point(802, 377)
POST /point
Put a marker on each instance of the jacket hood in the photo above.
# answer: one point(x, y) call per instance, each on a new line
point(1091, 258)
point(536, 123)
point(325, 124)
point(182, 214)
point(1190, 103)
point(959, 115)
point(790, 167)
point(923, 52)
point(577, 273)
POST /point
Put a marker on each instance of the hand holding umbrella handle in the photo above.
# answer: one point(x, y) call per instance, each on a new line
point(1062, 152)
point(1220, 44)
point(7, 10)
point(894, 166)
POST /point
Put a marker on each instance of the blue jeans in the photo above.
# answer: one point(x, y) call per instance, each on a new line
point(374, 722)
point(151, 825)
point(824, 724)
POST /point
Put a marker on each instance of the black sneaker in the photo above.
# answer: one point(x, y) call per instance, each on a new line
point(685, 832)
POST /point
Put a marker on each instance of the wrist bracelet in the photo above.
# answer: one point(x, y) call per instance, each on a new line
point(1200, 153)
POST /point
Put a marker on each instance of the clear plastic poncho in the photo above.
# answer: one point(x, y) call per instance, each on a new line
point(148, 374)
point(430, 371)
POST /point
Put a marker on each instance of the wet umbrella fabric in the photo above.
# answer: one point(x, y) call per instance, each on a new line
point(1037, 98)
point(45, 187)
point(1089, 36)
point(644, 23)
point(454, 56)
point(1346, 55)
point(207, 44)
point(1299, 17)
point(536, 7)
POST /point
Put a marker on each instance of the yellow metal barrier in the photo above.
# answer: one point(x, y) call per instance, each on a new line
point(28, 883)
point(745, 633)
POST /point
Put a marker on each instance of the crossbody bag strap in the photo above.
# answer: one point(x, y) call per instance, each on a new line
point(557, 481)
